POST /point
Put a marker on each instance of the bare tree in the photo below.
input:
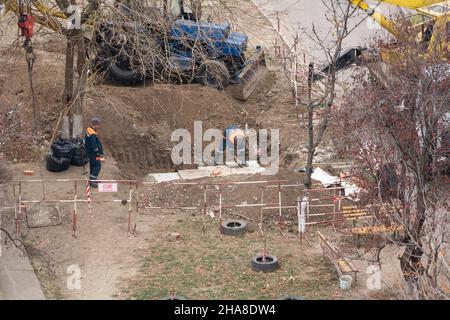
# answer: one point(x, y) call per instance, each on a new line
point(396, 133)
point(320, 97)
point(77, 45)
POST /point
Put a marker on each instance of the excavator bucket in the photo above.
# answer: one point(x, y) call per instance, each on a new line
point(250, 77)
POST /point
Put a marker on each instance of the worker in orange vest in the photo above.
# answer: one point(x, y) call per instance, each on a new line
point(94, 150)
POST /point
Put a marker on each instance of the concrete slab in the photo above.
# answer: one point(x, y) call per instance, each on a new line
point(203, 172)
point(220, 171)
point(44, 215)
point(17, 278)
point(162, 177)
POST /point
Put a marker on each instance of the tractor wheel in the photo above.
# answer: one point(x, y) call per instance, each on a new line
point(214, 74)
point(233, 227)
point(267, 263)
point(121, 72)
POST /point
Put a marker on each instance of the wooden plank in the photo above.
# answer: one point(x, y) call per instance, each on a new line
point(357, 215)
point(375, 229)
point(341, 264)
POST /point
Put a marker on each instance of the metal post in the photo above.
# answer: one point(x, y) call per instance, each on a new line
point(299, 213)
point(220, 205)
point(88, 196)
point(280, 221)
point(137, 198)
point(262, 206)
point(129, 212)
point(307, 206)
point(74, 217)
point(334, 208)
point(204, 200)
point(17, 214)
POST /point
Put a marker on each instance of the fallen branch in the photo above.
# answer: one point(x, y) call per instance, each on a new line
point(14, 241)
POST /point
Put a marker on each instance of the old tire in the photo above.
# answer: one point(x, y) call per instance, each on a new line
point(120, 73)
point(233, 227)
point(214, 74)
point(173, 298)
point(265, 264)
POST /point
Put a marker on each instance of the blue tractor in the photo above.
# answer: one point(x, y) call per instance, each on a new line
point(181, 50)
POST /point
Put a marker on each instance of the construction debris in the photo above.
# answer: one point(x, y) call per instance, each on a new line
point(206, 172)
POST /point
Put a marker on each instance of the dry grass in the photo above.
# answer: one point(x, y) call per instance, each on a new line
point(202, 266)
point(5, 174)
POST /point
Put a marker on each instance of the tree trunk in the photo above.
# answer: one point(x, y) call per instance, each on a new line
point(82, 70)
point(68, 88)
point(72, 122)
point(311, 147)
point(411, 259)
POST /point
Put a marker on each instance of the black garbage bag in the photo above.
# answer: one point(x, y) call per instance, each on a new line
point(57, 164)
point(79, 157)
point(63, 148)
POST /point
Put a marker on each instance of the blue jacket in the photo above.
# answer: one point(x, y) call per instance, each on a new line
point(93, 144)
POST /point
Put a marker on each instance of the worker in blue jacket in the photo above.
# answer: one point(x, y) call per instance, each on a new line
point(94, 150)
point(233, 137)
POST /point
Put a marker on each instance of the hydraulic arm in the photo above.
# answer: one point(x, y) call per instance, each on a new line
point(411, 4)
point(385, 22)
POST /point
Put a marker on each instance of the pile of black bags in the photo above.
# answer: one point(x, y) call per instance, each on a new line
point(65, 153)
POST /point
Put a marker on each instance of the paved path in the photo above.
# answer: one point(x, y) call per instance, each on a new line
point(17, 278)
point(299, 15)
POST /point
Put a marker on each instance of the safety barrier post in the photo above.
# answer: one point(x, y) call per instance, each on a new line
point(220, 204)
point(334, 208)
point(88, 196)
point(280, 220)
point(262, 206)
point(18, 213)
point(129, 212)
point(74, 217)
point(204, 200)
point(137, 198)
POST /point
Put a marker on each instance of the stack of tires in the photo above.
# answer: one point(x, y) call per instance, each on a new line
point(66, 152)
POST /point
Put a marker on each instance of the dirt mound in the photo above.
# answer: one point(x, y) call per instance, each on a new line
point(137, 121)
point(19, 142)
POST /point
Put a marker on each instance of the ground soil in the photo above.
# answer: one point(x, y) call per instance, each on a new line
point(137, 123)
point(149, 265)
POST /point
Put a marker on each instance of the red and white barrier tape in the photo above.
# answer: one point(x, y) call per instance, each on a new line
point(88, 195)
